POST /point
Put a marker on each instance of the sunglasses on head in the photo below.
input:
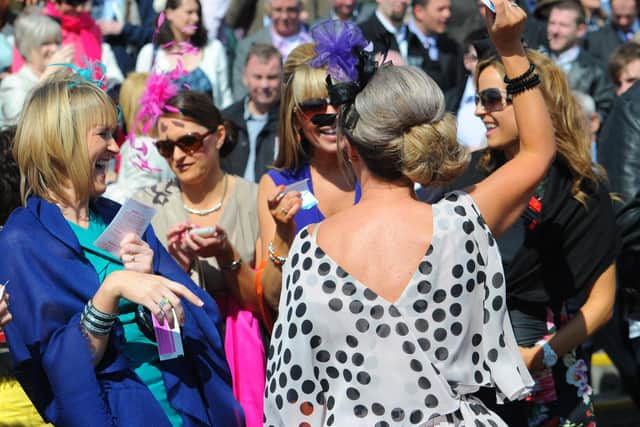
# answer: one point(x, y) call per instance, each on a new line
point(189, 144)
point(492, 99)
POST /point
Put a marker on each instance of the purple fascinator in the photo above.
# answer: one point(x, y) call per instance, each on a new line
point(335, 43)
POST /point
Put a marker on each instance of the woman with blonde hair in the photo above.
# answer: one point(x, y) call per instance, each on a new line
point(307, 150)
point(81, 338)
point(562, 247)
point(392, 310)
point(140, 163)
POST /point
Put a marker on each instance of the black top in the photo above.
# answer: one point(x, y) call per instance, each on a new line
point(569, 248)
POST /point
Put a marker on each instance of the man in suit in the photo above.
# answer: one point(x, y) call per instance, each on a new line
point(256, 115)
point(386, 29)
point(286, 32)
point(429, 23)
point(348, 11)
point(565, 29)
point(624, 24)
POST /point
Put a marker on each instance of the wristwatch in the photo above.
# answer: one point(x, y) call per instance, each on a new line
point(550, 358)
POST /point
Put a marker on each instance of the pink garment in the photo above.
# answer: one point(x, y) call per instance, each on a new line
point(79, 30)
point(246, 358)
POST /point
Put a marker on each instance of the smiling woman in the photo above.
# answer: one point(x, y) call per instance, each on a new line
point(308, 149)
point(79, 310)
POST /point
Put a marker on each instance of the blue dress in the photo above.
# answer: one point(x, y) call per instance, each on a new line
point(197, 81)
point(309, 216)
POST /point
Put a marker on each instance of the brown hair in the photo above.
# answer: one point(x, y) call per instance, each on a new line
point(263, 52)
point(572, 137)
point(199, 108)
point(165, 35)
point(621, 57)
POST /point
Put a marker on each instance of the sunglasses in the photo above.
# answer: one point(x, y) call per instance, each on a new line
point(311, 107)
point(189, 144)
point(492, 99)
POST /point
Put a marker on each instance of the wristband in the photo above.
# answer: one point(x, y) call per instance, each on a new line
point(550, 358)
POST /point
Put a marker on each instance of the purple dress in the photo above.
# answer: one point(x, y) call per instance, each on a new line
point(309, 216)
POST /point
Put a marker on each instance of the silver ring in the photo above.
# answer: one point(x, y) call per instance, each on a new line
point(514, 4)
point(163, 303)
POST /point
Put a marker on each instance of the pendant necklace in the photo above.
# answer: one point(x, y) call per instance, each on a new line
point(203, 212)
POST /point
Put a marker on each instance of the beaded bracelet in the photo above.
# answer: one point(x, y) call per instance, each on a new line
point(521, 77)
point(274, 257)
point(95, 321)
point(523, 85)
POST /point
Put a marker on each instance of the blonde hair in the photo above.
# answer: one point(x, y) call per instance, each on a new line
point(301, 81)
point(130, 94)
point(51, 138)
point(403, 131)
point(573, 139)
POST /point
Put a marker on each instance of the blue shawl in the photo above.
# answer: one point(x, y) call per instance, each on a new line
point(50, 280)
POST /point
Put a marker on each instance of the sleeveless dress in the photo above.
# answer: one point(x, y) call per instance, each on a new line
point(309, 216)
point(342, 355)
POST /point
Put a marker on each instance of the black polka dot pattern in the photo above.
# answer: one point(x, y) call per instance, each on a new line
point(336, 341)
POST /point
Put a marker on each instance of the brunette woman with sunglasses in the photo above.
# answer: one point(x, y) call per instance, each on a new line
point(208, 221)
point(562, 247)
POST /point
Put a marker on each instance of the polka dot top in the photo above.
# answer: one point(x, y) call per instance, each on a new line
point(342, 355)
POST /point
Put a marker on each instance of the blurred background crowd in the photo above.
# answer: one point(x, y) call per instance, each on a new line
point(234, 50)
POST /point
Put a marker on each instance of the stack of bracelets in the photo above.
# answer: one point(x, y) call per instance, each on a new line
point(526, 81)
point(96, 321)
point(274, 257)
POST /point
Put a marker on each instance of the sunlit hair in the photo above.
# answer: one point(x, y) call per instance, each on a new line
point(573, 139)
point(130, 94)
point(403, 131)
point(51, 137)
point(300, 82)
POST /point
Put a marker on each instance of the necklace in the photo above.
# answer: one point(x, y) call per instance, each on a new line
point(216, 207)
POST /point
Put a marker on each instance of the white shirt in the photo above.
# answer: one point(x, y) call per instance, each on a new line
point(471, 130)
point(566, 58)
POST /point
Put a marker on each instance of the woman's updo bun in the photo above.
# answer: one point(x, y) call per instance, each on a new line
point(431, 153)
point(403, 132)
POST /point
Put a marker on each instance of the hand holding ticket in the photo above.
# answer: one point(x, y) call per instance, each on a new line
point(133, 217)
point(489, 5)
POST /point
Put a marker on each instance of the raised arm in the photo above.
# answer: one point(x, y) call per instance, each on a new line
point(503, 195)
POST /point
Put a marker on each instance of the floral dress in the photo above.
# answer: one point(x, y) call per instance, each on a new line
point(342, 355)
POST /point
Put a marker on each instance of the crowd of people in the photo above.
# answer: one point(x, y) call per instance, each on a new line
point(389, 213)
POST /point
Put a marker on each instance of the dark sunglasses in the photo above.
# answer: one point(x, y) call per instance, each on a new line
point(311, 107)
point(492, 99)
point(189, 144)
